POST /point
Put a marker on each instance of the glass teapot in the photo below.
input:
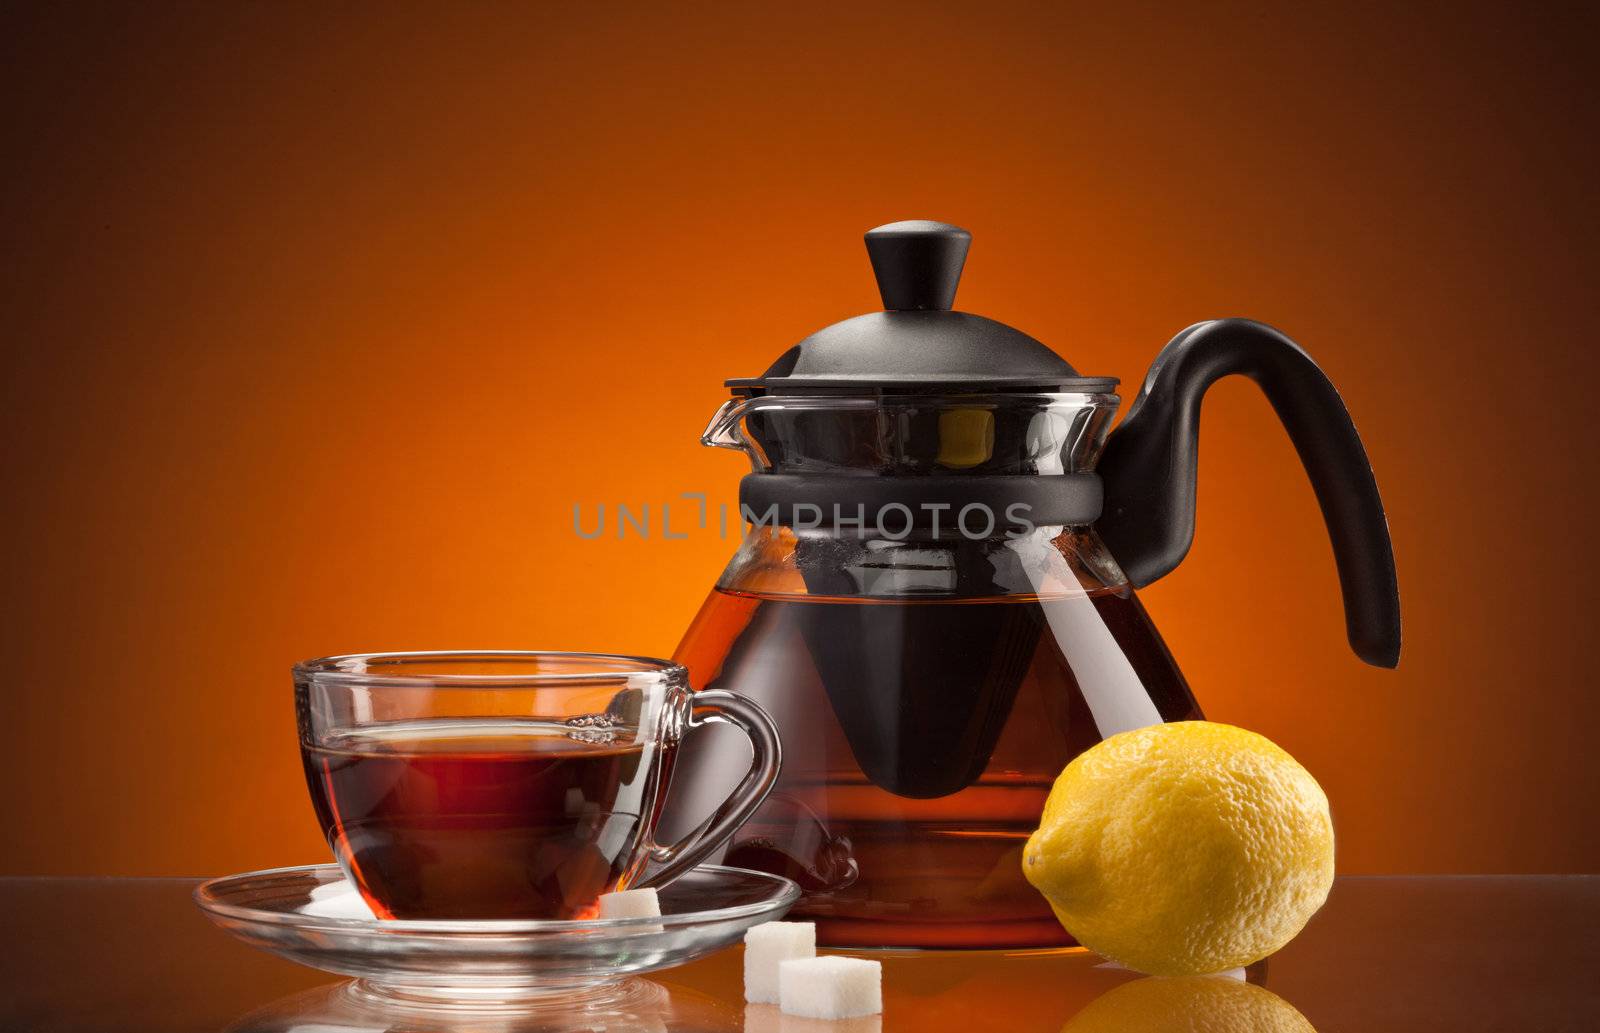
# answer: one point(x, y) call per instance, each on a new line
point(935, 596)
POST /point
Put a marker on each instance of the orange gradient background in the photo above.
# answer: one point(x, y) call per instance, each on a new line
point(319, 322)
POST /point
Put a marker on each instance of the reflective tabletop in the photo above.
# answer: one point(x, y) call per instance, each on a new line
point(1386, 953)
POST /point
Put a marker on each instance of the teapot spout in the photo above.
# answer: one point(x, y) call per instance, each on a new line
point(1151, 460)
point(723, 431)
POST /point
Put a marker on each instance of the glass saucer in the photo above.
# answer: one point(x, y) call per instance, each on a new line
point(304, 914)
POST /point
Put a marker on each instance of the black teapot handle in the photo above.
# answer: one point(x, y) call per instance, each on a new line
point(1150, 463)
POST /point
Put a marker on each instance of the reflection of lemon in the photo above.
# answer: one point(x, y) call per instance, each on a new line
point(1183, 848)
point(1194, 1004)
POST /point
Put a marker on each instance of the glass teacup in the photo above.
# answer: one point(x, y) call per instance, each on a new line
point(509, 784)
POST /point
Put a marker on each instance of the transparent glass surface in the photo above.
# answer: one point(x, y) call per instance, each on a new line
point(1453, 954)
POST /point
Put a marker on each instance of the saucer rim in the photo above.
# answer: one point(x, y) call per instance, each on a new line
point(787, 892)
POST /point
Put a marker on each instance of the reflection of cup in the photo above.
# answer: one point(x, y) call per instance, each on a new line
point(508, 784)
point(637, 1005)
point(1221, 1003)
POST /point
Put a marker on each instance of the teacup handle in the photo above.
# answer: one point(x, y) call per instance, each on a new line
point(715, 706)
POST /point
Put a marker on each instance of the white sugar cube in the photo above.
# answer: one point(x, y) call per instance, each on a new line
point(337, 900)
point(830, 988)
point(630, 904)
point(765, 947)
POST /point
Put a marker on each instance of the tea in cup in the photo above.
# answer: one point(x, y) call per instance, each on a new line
point(510, 785)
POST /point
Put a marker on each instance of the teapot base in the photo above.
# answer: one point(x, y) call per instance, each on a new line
point(934, 884)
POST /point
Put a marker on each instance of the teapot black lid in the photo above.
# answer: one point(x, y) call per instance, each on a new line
point(918, 341)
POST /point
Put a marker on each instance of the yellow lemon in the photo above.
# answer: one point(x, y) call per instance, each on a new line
point(1183, 848)
point(1194, 1004)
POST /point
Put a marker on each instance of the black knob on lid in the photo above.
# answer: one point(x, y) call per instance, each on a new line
point(919, 343)
point(918, 263)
